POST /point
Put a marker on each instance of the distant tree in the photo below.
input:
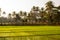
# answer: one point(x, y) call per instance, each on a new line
point(9, 18)
point(58, 7)
point(50, 12)
point(43, 14)
point(4, 13)
point(58, 15)
point(9, 15)
point(20, 13)
point(34, 13)
point(14, 17)
point(17, 17)
point(49, 5)
point(25, 17)
point(37, 8)
point(14, 13)
point(33, 8)
point(42, 9)
point(25, 13)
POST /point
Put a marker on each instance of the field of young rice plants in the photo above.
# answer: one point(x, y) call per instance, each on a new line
point(39, 32)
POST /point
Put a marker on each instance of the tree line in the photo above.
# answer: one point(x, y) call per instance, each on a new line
point(50, 15)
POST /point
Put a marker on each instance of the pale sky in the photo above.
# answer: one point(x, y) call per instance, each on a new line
point(24, 5)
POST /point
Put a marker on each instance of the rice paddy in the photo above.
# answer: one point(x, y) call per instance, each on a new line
point(30, 32)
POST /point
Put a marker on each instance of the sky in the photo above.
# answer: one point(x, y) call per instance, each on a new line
point(24, 5)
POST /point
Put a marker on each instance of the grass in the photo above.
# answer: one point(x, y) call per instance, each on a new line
point(33, 32)
point(28, 30)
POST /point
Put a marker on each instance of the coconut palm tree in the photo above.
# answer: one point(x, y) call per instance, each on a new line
point(58, 15)
point(25, 13)
point(49, 5)
point(33, 8)
point(9, 18)
point(42, 12)
point(37, 8)
point(25, 16)
point(58, 7)
point(14, 13)
point(43, 15)
point(4, 13)
point(49, 9)
point(20, 13)
point(14, 17)
point(9, 15)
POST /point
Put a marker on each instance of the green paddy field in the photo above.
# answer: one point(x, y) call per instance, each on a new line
point(30, 30)
point(44, 32)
